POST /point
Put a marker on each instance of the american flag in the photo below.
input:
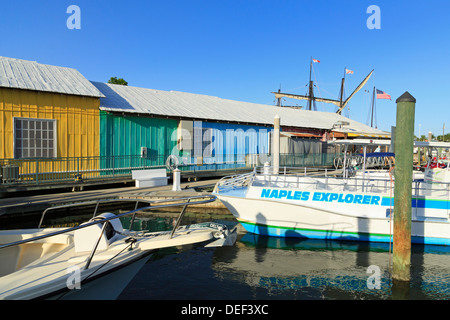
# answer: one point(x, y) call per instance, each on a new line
point(382, 95)
point(315, 60)
point(348, 71)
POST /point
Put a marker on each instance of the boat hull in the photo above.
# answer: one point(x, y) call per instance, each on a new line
point(326, 220)
point(105, 286)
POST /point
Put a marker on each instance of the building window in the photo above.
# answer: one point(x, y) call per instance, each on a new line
point(34, 138)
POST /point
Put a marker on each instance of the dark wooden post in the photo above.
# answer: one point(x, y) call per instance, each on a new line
point(404, 145)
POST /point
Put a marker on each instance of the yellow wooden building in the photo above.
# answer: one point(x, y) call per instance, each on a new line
point(46, 112)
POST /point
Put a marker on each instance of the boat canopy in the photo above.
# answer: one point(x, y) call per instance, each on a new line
point(377, 154)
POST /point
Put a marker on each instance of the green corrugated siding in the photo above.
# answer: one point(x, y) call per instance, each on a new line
point(123, 137)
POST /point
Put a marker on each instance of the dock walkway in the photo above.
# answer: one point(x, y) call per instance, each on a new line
point(33, 203)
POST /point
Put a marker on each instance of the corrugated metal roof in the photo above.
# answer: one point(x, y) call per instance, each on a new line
point(300, 135)
point(195, 106)
point(30, 75)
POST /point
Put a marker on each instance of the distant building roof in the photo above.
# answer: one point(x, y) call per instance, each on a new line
point(136, 100)
point(30, 75)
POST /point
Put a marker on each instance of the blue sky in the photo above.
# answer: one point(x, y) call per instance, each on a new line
point(245, 49)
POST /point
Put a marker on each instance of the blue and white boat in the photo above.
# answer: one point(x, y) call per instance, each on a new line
point(322, 206)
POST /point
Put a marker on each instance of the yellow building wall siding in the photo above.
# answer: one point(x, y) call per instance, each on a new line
point(77, 120)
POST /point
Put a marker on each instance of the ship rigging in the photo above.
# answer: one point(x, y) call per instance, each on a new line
point(311, 98)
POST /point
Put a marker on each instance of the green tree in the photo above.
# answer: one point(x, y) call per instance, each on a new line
point(114, 80)
point(446, 137)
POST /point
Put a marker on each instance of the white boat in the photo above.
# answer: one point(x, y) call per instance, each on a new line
point(65, 262)
point(321, 206)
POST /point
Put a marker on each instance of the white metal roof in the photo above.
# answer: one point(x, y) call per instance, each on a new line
point(129, 99)
point(30, 75)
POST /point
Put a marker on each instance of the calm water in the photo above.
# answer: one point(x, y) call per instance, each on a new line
point(261, 268)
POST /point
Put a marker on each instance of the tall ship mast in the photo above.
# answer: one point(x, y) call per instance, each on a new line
point(311, 98)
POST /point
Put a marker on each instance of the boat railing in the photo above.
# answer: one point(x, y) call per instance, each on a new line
point(153, 204)
point(299, 171)
point(376, 160)
point(240, 180)
point(326, 179)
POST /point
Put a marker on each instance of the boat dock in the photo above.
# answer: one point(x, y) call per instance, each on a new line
point(34, 203)
point(59, 182)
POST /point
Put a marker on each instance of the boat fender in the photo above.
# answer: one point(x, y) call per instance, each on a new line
point(86, 238)
point(112, 226)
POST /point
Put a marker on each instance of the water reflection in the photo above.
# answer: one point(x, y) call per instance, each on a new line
point(332, 269)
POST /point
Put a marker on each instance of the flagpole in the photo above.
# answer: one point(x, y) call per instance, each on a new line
point(310, 101)
point(310, 68)
point(373, 106)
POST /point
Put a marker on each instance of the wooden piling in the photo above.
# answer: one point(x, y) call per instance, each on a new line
point(404, 145)
point(276, 145)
